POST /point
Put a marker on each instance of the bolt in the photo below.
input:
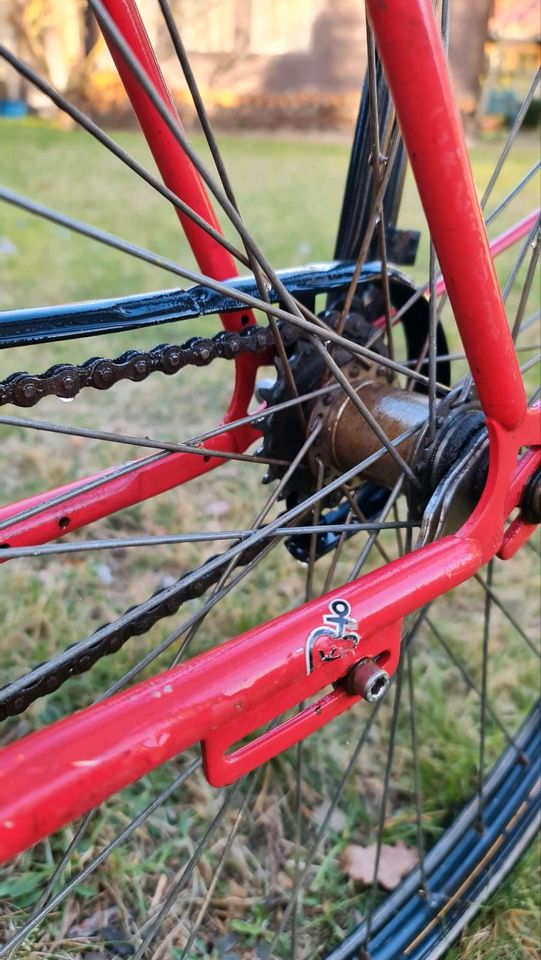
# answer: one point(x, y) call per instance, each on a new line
point(368, 680)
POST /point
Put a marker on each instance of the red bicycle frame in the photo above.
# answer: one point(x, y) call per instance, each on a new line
point(50, 777)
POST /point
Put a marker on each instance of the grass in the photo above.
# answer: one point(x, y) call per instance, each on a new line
point(290, 191)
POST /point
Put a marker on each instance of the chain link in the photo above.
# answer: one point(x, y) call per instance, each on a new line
point(48, 676)
point(66, 380)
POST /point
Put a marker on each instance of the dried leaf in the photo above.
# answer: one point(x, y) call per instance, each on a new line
point(394, 863)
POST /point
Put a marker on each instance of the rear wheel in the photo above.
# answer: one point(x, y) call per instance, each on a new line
point(432, 792)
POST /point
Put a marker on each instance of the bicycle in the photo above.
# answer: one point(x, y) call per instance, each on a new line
point(349, 435)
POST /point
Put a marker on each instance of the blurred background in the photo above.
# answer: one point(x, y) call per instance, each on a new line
point(289, 63)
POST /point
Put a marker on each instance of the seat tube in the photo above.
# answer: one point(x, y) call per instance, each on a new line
point(414, 60)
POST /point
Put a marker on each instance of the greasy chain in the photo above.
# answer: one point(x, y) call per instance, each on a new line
point(17, 696)
point(66, 380)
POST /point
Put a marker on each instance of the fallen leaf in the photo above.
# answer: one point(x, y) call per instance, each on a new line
point(394, 862)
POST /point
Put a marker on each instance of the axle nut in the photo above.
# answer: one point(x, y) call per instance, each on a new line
point(368, 680)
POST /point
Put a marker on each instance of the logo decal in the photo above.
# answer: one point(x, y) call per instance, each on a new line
point(338, 624)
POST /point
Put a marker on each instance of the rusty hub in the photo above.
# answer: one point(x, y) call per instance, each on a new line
point(346, 438)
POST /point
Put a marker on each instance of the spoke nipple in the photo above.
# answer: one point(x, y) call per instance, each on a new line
point(368, 680)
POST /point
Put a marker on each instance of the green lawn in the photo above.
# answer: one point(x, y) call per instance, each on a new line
point(289, 191)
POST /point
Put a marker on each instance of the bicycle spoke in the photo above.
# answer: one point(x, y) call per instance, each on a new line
point(372, 539)
point(376, 203)
point(309, 583)
point(185, 874)
point(85, 122)
point(416, 771)
point(534, 243)
point(384, 798)
point(531, 240)
point(468, 680)
point(432, 343)
point(535, 317)
point(299, 751)
point(257, 524)
point(422, 290)
point(124, 834)
point(92, 484)
point(169, 592)
point(528, 243)
point(506, 612)
point(185, 910)
point(107, 22)
point(215, 536)
point(531, 363)
point(337, 552)
point(131, 441)
point(484, 688)
point(164, 263)
point(377, 167)
point(453, 357)
point(517, 124)
point(299, 880)
point(226, 183)
point(297, 907)
point(253, 779)
point(192, 442)
point(513, 193)
point(365, 412)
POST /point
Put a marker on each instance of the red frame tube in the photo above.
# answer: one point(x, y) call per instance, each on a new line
point(431, 129)
point(179, 175)
point(50, 777)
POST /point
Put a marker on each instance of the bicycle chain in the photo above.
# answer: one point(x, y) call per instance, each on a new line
point(66, 380)
point(50, 676)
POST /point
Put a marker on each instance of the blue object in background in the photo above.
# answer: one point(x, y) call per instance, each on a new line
point(13, 108)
